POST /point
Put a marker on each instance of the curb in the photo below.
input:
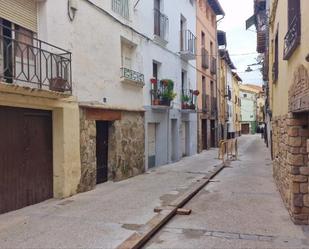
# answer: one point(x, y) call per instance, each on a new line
point(138, 239)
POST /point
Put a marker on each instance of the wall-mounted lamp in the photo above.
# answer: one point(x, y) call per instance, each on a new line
point(72, 8)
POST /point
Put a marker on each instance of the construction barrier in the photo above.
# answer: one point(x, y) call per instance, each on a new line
point(228, 149)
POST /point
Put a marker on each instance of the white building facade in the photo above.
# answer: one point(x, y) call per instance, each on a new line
point(118, 46)
point(170, 128)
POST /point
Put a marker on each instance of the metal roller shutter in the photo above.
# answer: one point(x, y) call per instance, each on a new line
point(21, 12)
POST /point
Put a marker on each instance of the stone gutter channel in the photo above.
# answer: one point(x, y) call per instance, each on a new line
point(167, 212)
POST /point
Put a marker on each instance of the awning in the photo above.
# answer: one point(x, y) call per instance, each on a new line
point(251, 21)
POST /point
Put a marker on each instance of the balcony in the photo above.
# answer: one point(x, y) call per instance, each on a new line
point(189, 99)
point(132, 77)
point(205, 103)
point(214, 108)
point(205, 58)
point(160, 27)
point(292, 38)
point(30, 62)
point(213, 65)
point(162, 92)
point(187, 45)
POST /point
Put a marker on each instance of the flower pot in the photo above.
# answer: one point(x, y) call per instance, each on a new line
point(156, 102)
point(58, 84)
point(165, 102)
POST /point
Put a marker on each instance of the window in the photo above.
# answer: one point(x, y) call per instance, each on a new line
point(292, 37)
point(204, 99)
point(155, 69)
point(203, 39)
point(121, 7)
point(161, 21)
point(245, 95)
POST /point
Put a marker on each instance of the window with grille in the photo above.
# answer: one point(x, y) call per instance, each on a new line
point(121, 7)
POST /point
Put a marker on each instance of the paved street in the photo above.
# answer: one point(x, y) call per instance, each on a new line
point(105, 217)
point(240, 208)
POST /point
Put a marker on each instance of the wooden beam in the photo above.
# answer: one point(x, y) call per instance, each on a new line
point(102, 114)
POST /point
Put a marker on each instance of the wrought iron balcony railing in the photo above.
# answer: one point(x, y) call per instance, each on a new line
point(292, 38)
point(27, 61)
point(187, 44)
point(189, 99)
point(213, 65)
point(205, 58)
point(160, 25)
point(130, 76)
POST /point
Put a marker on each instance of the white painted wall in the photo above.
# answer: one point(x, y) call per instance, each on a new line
point(94, 39)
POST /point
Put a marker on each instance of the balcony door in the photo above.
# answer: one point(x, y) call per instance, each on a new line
point(157, 22)
point(6, 52)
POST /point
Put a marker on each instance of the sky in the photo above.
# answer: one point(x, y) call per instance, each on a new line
point(239, 40)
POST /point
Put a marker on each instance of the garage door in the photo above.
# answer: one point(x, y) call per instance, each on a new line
point(245, 129)
point(26, 168)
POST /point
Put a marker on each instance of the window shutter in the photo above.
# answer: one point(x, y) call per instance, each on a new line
point(21, 12)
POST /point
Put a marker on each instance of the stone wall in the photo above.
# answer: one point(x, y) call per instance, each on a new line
point(126, 148)
point(291, 171)
point(88, 153)
point(126, 156)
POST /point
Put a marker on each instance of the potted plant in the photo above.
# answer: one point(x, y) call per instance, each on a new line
point(167, 94)
point(185, 101)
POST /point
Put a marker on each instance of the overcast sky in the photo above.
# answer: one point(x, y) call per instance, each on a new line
point(239, 40)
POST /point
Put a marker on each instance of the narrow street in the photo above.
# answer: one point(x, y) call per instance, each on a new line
point(239, 208)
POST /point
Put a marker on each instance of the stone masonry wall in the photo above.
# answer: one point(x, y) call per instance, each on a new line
point(291, 171)
point(126, 156)
point(88, 153)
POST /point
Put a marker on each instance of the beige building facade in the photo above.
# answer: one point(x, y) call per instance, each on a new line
point(39, 145)
point(289, 91)
point(207, 73)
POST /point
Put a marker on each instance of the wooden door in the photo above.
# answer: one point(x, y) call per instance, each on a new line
point(26, 157)
point(204, 134)
point(213, 133)
point(102, 151)
point(151, 145)
point(245, 129)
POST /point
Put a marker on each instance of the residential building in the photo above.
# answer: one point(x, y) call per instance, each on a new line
point(289, 89)
point(236, 104)
point(169, 62)
point(248, 95)
point(39, 146)
point(260, 110)
point(207, 73)
point(260, 19)
point(226, 91)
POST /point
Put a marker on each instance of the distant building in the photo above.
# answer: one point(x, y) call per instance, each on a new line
point(249, 95)
point(236, 104)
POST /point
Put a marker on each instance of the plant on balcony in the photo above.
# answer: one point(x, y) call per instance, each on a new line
point(168, 93)
point(185, 99)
